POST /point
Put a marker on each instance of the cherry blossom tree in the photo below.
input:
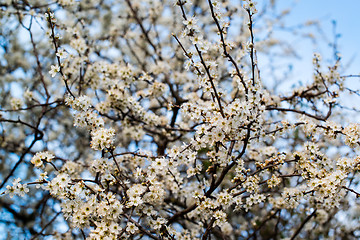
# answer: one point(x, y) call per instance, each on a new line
point(151, 119)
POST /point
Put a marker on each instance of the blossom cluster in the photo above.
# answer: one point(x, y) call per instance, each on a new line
point(16, 188)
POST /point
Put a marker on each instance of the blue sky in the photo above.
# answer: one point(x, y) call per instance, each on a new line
point(345, 13)
point(347, 16)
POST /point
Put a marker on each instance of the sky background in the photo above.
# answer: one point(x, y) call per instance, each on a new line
point(346, 14)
